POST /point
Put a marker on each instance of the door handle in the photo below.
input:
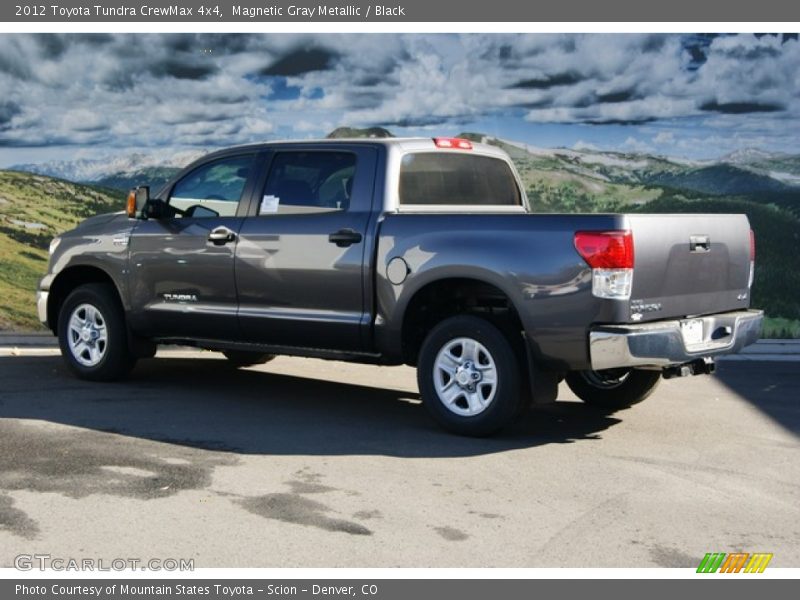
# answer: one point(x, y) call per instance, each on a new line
point(699, 243)
point(221, 235)
point(344, 237)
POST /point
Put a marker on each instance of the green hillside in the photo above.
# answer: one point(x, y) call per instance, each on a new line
point(721, 179)
point(33, 210)
point(789, 164)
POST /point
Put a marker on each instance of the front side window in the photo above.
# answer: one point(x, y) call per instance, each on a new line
point(214, 189)
point(442, 178)
point(313, 181)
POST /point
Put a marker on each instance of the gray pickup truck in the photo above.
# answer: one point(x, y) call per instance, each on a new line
point(403, 251)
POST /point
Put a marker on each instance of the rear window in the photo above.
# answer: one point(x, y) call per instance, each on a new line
point(455, 178)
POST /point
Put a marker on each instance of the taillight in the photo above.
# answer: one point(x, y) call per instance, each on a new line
point(606, 249)
point(454, 143)
point(610, 255)
point(752, 259)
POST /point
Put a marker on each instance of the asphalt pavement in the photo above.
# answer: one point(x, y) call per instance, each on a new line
point(308, 463)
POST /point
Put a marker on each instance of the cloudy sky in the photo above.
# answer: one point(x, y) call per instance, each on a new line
point(697, 96)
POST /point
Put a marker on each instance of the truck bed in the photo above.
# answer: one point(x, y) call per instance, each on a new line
point(684, 265)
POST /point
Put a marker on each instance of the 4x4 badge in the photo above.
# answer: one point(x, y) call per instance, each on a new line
point(639, 306)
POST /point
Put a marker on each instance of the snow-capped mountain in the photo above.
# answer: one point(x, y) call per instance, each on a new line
point(747, 156)
point(95, 170)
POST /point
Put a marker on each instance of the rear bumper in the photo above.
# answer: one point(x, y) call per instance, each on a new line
point(661, 343)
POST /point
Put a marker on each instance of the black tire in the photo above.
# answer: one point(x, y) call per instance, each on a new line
point(106, 357)
point(499, 403)
point(613, 389)
point(243, 358)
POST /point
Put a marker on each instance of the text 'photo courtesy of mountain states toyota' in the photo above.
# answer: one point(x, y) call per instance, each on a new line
point(403, 251)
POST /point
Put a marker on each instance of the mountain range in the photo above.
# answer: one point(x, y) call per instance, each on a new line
point(622, 176)
point(742, 172)
point(35, 207)
point(120, 172)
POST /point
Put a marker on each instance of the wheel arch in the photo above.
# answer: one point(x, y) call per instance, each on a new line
point(441, 297)
point(67, 281)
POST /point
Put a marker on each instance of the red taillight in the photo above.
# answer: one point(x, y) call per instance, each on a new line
point(605, 249)
point(455, 143)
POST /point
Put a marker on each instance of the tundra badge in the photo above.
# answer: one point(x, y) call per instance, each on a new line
point(180, 297)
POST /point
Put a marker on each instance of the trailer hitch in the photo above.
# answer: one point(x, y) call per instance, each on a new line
point(701, 366)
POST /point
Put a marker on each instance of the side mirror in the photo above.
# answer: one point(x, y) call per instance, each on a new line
point(137, 200)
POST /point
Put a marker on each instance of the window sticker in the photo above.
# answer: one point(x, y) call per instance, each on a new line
point(269, 204)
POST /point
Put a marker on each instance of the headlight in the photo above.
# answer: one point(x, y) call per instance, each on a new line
point(54, 244)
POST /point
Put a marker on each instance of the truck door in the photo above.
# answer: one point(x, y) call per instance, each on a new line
point(300, 260)
point(181, 266)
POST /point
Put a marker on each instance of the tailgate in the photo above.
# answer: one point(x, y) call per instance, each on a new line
point(689, 264)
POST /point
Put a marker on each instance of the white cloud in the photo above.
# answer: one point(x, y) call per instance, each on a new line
point(637, 145)
point(210, 90)
point(664, 137)
point(582, 145)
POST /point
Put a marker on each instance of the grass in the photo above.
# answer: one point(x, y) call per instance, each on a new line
point(33, 210)
point(19, 274)
point(780, 328)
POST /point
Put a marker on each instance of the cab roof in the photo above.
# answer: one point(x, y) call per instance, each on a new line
point(407, 144)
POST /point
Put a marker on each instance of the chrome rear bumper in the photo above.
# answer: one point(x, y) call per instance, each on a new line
point(661, 343)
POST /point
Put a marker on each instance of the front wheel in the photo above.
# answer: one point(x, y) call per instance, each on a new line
point(92, 334)
point(469, 376)
point(613, 389)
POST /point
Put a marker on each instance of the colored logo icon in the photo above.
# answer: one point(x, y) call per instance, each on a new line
point(737, 562)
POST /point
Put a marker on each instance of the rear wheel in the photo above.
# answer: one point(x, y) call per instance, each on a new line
point(243, 358)
point(613, 389)
point(469, 376)
point(92, 334)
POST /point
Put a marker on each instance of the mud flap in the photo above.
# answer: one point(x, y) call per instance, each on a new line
point(542, 385)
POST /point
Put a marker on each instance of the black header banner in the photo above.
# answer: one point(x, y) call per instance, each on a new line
point(467, 11)
point(732, 588)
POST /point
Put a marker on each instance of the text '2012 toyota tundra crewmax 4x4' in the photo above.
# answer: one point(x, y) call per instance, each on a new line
point(403, 251)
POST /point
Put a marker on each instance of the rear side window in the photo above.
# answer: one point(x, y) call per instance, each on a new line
point(456, 178)
point(311, 181)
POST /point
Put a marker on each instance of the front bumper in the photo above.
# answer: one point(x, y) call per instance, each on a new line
point(661, 343)
point(41, 306)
